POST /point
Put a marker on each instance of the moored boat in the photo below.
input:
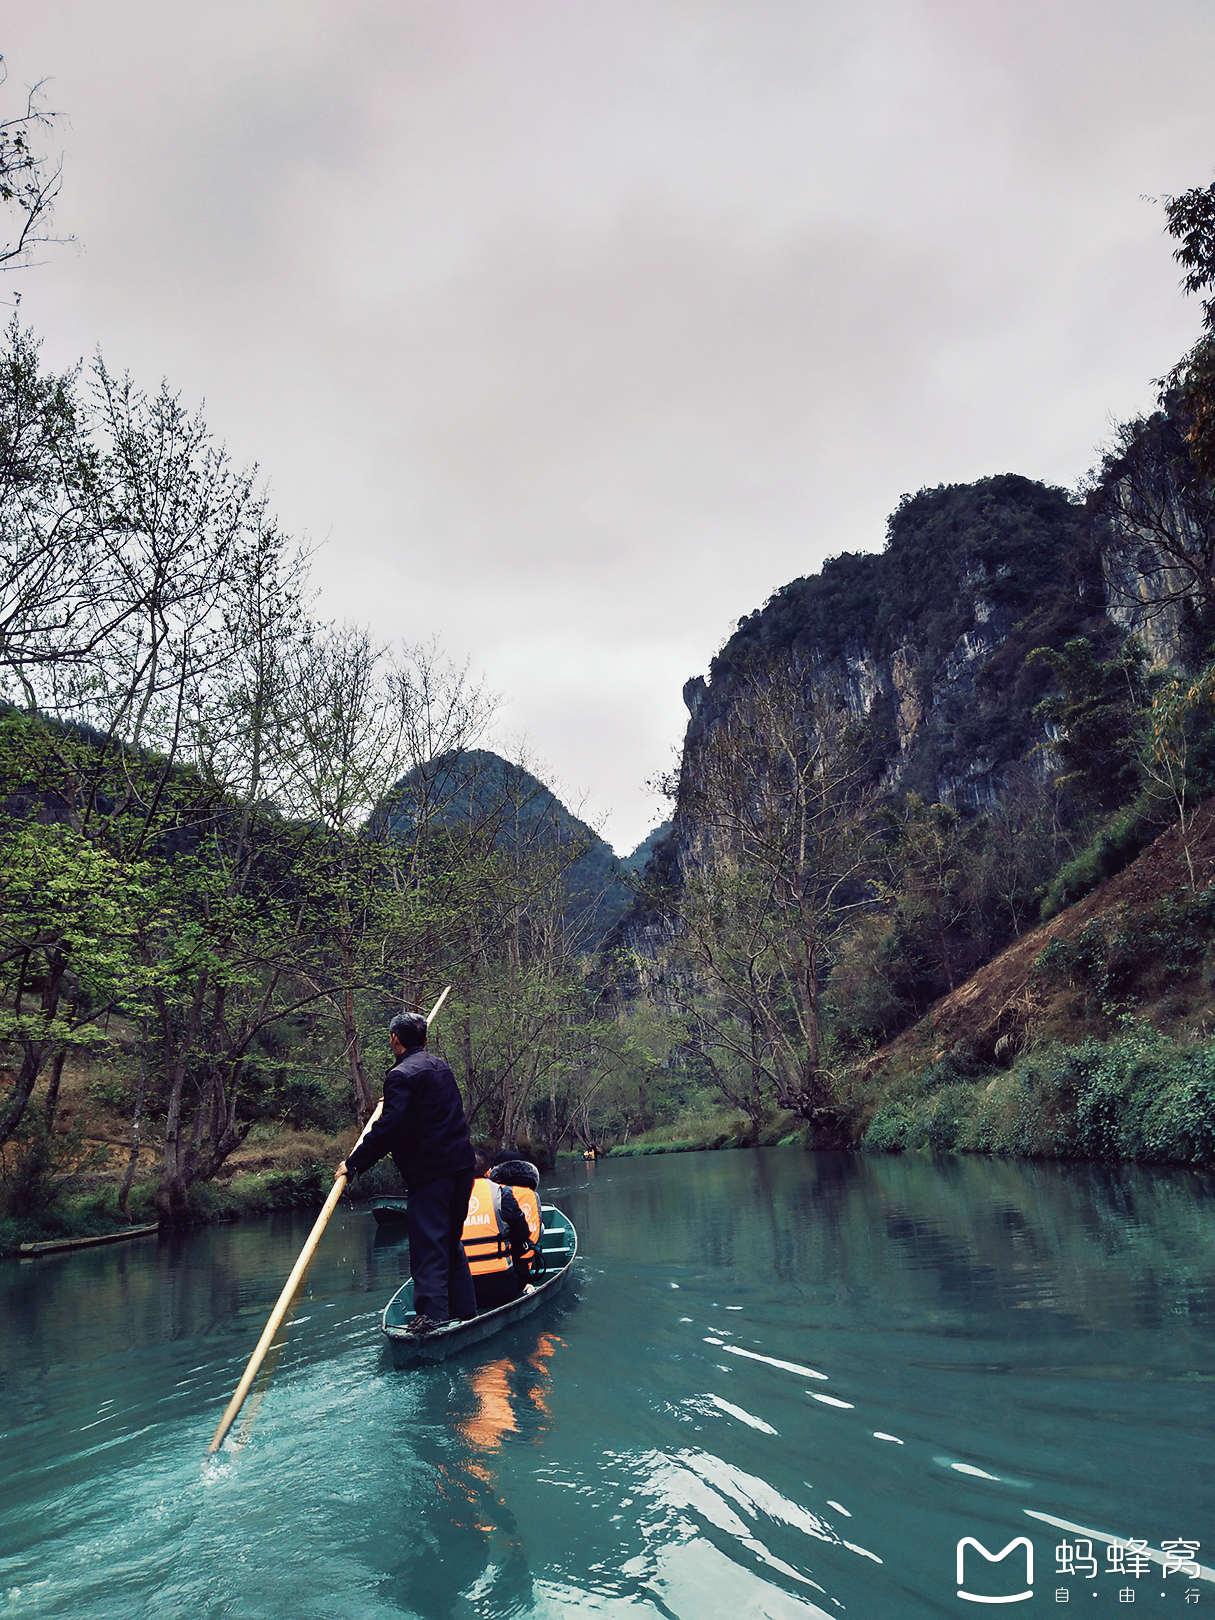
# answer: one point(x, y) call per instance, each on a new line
point(558, 1250)
point(29, 1251)
point(389, 1211)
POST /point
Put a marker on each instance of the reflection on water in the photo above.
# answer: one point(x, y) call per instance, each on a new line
point(493, 1386)
point(782, 1385)
point(470, 1548)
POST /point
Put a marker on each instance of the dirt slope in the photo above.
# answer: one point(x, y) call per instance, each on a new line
point(1002, 999)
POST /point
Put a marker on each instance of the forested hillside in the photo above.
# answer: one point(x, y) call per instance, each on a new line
point(518, 810)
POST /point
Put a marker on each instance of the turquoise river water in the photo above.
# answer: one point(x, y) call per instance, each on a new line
point(781, 1385)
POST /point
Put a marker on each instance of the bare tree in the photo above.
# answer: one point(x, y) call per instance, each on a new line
point(483, 857)
point(347, 739)
point(29, 183)
point(50, 560)
point(431, 822)
point(1160, 515)
point(784, 794)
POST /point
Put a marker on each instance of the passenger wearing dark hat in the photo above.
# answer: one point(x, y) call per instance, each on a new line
point(497, 1240)
point(513, 1170)
point(520, 1175)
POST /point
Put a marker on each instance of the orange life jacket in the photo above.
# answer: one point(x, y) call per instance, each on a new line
point(529, 1203)
point(486, 1237)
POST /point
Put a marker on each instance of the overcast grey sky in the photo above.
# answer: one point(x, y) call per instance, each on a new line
point(572, 330)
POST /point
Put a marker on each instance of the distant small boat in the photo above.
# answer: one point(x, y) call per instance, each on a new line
point(558, 1251)
point(389, 1211)
point(57, 1245)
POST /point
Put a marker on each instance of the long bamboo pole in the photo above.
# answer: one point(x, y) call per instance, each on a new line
point(293, 1281)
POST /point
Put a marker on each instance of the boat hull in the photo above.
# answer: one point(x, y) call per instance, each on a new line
point(29, 1251)
point(560, 1246)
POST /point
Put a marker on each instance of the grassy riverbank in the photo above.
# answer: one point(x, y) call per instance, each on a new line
point(702, 1130)
point(277, 1168)
point(1141, 1097)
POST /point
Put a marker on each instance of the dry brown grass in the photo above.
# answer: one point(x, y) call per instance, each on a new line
point(1003, 1003)
point(270, 1147)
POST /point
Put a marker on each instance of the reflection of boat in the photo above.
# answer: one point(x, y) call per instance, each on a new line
point(557, 1253)
point(389, 1211)
point(498, 1387)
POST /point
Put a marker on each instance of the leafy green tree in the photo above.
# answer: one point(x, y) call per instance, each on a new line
point(359, 720)
point(224, 966)
point(69, 915)
point(223, 763)
point(627, 1076)
point(1019, 845)
point(484, 888)
point(197, 917)
point(924, 877)
point(1158, 479)
point(1191, 223)
point(925, 931)
point(878, 983)
point(174, 687)
point(1168, 746)
point(1096, 718)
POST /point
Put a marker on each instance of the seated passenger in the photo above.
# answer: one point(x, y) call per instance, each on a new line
point(521, 1176)
point(496, 1239)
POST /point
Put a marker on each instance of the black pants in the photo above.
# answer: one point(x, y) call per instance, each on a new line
point(442, 1284)
point(494, 1288)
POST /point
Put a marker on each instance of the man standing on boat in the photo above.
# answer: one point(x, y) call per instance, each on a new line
point(424, 1128)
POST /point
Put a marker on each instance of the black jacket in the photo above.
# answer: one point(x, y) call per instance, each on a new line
point(516, 1224)
point(422, 1125)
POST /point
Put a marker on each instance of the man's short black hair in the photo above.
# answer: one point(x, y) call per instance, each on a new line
point(410, 1030)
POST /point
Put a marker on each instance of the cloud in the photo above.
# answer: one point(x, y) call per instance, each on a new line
point(575, 331)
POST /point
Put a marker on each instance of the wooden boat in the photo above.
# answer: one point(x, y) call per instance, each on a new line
point(389, 1211)
point(58, 1245)
point(558, 1251)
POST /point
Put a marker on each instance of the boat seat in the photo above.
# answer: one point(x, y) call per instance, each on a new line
point(554, 1242)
